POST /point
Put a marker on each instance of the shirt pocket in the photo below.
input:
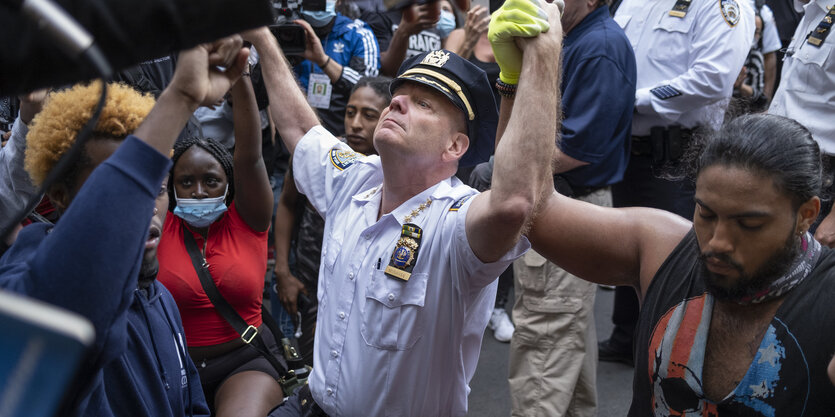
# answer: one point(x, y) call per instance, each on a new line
point(811, 68)
point(671, 41)
point(331, 247)
point(393, 318)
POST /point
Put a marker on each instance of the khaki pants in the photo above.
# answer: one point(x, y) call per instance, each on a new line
point(553, 353)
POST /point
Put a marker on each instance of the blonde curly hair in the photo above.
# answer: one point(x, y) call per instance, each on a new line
point(65, 112)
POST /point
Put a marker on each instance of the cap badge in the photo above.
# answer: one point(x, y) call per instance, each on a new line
point(436, 59)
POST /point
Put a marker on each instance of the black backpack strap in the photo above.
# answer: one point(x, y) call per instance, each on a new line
point(249, 334)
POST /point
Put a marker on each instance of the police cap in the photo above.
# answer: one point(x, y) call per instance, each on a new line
point(466, 85)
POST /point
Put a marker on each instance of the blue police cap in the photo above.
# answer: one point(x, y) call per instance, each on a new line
point(466, 85)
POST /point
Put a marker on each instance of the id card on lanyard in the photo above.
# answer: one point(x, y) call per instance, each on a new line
point(319, 91)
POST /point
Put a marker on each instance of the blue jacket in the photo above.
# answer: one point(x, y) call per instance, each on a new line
point(89, 263)
point(351, 44)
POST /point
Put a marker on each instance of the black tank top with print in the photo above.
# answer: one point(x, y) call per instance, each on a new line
point(787, 377)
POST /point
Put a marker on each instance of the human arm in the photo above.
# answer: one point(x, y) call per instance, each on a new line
point(564, 163)
point(716, 53)
point(612, 246)
point(416, 19)
point(89, 262)
point(362, 53)
point(560, 162)
point(521, 171)
point(770, 45)
point(253, 194)
point(831, 371)
point(463, 41)
point(825, 233)
point(16, 188)
point(744, 90)
point(770, 76)
point(314, 52)
point(293, 117)
point(190, 88)
point(598, 102)
point(288, 286)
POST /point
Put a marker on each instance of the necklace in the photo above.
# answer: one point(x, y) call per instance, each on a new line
point(408, 218)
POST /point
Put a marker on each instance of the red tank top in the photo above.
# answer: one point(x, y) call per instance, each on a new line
point(237, 257)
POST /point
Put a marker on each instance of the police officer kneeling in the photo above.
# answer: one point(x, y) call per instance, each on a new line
point(411, 255)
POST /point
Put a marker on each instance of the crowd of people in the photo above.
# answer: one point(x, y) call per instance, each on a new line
point(255, 232)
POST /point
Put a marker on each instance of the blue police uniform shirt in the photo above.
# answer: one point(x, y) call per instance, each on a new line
point(598, 97)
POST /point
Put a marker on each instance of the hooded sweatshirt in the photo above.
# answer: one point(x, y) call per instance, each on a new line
point(89, 264)
point(154, 376)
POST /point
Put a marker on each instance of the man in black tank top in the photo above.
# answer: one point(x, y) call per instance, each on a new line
point(737, 306)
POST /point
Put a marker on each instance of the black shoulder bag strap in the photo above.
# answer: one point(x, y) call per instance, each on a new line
point(249, 334)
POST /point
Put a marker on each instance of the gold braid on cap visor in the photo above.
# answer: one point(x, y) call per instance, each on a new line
point(448, 82)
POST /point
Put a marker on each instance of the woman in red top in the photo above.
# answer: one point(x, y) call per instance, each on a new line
point(228, 216)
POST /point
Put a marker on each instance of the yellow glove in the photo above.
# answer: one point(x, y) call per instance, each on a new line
point(516, 18)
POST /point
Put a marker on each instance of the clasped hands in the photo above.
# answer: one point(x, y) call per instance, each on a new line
point(512, 25)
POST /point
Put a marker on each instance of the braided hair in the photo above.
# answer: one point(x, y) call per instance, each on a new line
point(215, 149)
point(379, 84)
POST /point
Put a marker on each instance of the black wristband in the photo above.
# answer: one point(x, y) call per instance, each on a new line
point(326, 63)
point(505, 90)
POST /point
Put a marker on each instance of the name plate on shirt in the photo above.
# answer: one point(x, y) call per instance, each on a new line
point(405, 252)
point(319, 91)
point(680, 8)
point(817, 36)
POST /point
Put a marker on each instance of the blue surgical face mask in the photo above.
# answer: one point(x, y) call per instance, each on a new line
point(446, 24)
point(320, 18)
point(200, 212)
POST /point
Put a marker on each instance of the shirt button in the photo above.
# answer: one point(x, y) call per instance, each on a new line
point(341, 315)
point(329, 391)
point(391, 297)
point(334, 353)
point(350, 275)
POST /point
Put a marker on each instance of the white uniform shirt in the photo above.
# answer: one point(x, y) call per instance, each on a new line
point(698, 56)
point(807, 84)
point(771, 37)
point(386, 347)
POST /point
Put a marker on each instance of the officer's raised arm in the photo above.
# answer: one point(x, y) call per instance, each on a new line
point(292, 114)
point(520, 34)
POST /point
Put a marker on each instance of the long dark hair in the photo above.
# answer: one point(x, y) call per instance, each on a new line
point(772, 145)
point(211, 146)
